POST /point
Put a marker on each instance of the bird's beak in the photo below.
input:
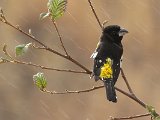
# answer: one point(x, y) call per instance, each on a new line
point(122, 32)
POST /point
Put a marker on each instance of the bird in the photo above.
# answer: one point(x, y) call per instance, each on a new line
point(108, 57)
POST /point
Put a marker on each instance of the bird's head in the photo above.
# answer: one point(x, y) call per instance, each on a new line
point(114, 32)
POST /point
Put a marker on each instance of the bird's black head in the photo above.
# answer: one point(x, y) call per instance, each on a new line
point(113, 33)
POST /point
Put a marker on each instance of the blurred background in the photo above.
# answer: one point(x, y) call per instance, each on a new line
point(21, 100)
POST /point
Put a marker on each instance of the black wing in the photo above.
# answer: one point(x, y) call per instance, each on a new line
point(99, 56)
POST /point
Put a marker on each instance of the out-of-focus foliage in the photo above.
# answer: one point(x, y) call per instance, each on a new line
point(22, 49)
point(56, 9)
point(153, 113)
point(40, 80)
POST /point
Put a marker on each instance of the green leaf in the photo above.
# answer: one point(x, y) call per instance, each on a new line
point(22, 49)
point(44, 15)
point(40, 80)
point(56, 8)
point(153, 112)
point(157, 118)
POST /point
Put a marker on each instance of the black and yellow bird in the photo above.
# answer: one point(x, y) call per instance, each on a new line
point(107, 58)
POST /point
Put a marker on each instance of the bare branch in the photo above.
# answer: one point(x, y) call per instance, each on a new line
point(127, 83)
point(5, 51)
point(60, 37)
point(46, 47)
point(132, 97)
point(130, 117)
point(47, 68)
point(13, 60)
point(37, 47)
point(2, 17)
point(25, 33)
point(94, 12)
point(96, 88)
point(69, 92)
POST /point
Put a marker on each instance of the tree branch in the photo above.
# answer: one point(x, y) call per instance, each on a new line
point(130, 117)
point(13, 60)
point(4, 20)
point(60, 38)
point(47, 68)
point(132, 97)
point(94, 12)
point(96, 88)
point(69, 92)
point(127, 83)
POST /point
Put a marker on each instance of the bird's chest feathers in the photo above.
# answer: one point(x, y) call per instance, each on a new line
point(112, 50)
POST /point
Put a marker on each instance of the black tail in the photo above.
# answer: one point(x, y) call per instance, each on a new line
point(110, 90)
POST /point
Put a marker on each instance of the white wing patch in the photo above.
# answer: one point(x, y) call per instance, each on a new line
point(94, 54)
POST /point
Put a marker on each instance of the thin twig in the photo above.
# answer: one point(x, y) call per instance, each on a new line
point(2, 17)
point(132, 97)
point(46, 47)
point(126, 81)
point(60, 37)
point(96, 88)
point(25, 33)
point(94, 12)
point(131, 117)
point(13, 60)
point(5, 51)
point(37, 47)
point(69, 92)
point(47, 68)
